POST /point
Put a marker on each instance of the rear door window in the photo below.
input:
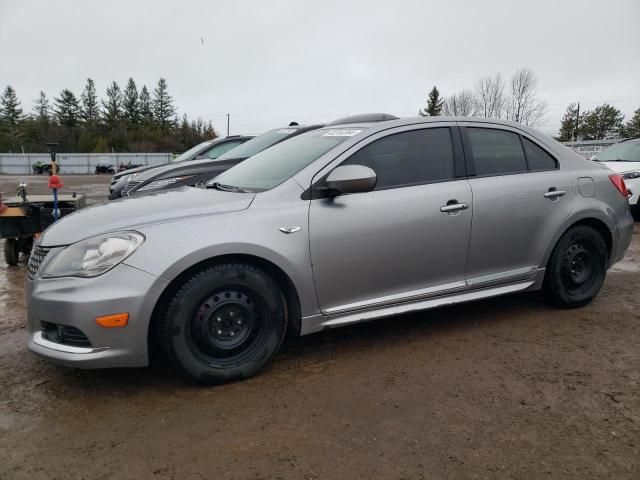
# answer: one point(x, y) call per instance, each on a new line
point(496, 152)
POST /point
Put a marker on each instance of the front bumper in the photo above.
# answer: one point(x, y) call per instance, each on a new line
point(76, 302)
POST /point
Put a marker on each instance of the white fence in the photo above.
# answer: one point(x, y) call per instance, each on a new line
point(76, 163)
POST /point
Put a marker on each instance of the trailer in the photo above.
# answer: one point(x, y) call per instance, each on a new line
point(23, 218)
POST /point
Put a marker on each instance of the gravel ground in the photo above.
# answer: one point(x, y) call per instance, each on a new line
point(503, 388)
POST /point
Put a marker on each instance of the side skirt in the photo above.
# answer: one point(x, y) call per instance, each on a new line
point(316, 323)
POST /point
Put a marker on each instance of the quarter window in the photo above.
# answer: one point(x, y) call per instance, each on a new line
point(496, 152)
point(408, 158)
point(537, 158)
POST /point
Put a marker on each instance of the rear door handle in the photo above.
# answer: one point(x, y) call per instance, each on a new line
point(453, 207)
point(553, 193)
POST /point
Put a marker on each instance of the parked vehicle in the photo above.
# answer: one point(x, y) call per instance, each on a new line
point(624, 158)
point(24, 216)
point(197, 172)
point(40, 167)
point(129, 166)
point(211, 149)
point(339, 225)
point(105, 165)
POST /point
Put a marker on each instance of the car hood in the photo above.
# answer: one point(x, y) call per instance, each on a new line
point(622, 167)
point(141, 211)
point(190, 167)
point(130, 171)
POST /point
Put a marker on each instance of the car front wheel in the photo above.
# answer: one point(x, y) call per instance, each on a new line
point(225, 323)
point(577, 268)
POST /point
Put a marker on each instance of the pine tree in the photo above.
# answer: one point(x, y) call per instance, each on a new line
point(41, 107)
point(112, 106)
point(209, 132)
point(130, 104)
point(144, 107)
point(10, 110)
point(632, 128)
point(434, 104)
point(66, 109)
point(604, 121)
point(568, 125)
point(163, 109)
point(185, 133)
point(90, 110)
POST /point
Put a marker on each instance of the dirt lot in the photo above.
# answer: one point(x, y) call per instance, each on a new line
point(505, 388)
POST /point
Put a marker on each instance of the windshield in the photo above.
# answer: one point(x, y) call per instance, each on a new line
point(621, 152)
point(259, 143)
point(273, 166)
point(191, 152)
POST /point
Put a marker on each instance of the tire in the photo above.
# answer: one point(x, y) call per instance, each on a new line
point(11, 251)
point(224, 324)
point(577, 268)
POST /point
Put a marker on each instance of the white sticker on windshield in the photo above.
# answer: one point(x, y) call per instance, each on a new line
point(341, 133)
point(287, 130)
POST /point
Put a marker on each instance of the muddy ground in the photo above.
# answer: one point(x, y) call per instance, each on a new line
point(504, 388)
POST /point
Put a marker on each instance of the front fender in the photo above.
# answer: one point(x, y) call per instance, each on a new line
point(172, 248)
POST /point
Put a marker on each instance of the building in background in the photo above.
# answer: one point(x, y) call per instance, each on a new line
point(589, 148)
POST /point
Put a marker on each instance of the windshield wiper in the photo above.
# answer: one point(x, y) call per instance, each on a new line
point(225, 188)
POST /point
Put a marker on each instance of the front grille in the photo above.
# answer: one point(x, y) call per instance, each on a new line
point(38, 254)
point(65, 335)
point(131, 184)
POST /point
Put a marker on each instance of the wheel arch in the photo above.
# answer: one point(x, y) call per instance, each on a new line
point(595, 221)
point(289, 290)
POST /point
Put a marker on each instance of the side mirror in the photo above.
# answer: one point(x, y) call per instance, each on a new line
point(351, 179)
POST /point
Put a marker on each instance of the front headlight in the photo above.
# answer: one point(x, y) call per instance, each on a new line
point(631, 175)
point(94, 256)
point(165, 182)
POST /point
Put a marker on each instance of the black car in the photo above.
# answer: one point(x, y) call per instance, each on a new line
point(211, 149)
point(198, 172)
point(105, 165)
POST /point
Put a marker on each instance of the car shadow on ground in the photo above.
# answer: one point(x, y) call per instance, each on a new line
point(437, 324)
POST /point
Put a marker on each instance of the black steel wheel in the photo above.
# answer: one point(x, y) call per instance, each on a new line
point(577, 267)
point(11, 251)
point(225, 323)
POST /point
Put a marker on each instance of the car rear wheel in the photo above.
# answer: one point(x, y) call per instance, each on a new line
point(225, 323)
point(577, 268)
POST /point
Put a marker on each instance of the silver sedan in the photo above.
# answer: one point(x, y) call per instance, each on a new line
point(339, 225)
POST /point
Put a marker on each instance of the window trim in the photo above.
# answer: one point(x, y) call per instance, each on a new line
point(315, 191)
point(470, 160)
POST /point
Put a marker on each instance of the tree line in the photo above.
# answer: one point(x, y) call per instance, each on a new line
point(517, 99)
point(604, 121)
point(123, 120)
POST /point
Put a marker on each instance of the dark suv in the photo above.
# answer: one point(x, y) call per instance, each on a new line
point(198, 172)
point(209, 150)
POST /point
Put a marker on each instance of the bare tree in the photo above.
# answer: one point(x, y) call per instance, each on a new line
point(524, 106)
point(462, 104)
point(490, 97)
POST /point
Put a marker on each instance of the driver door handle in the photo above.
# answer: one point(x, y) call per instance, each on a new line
point(453, 206)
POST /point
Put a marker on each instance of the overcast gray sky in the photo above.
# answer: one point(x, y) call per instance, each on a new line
point(268, 62)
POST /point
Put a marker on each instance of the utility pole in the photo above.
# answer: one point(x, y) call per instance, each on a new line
point(228, 124)
point(575, 130)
